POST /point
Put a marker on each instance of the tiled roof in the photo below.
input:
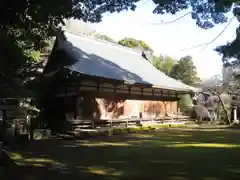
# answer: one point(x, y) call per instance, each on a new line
point(104, 59)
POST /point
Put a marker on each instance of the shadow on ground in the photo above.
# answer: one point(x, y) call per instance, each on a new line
point(165, 154)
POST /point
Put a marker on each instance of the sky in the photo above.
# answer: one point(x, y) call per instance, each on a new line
point(169, 39)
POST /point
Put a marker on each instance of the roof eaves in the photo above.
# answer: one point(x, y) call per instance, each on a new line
point(173, 88)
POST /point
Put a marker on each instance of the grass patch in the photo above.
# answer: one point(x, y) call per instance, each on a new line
point(212, 145)
point(163, 154)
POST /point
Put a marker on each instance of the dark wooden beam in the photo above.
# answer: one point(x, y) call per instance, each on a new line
point(70, 85)
point(98, 88)
point(129, 89)
point(65, 85)
point(127, 96)
point(115, 87)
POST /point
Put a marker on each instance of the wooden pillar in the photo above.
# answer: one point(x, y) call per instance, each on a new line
point(235, 113)
point(235, 120)
point(1, 149)
point(75, 113)
point(178, 108)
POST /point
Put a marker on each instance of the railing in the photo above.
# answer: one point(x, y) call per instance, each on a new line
point(81, 125)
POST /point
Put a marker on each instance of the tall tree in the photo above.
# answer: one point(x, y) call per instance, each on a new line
point(134, 43)
point(230, 52)
point(102, 37)
point(219, 94)
point(29, 24)
point(35, 20)
point(26, 24)
point(185, 71)
point(182, 70)
point(164, 63)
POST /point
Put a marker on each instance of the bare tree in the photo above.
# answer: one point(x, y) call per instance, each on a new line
point(220, 89)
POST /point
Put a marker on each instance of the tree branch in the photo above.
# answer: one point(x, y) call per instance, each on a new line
point(169, 22)
point(214, 39)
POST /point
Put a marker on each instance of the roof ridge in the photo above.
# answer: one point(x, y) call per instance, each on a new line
point(104, 41)
point(119, 65)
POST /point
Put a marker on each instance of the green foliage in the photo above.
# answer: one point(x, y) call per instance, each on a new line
point(134, 43)
point(25, 26)
point(12, 64)
point(164, 63)
point(185, 105)
point(18, 63)
point(47, 48)
point(101, 36)
point(34, 55)
point(230, 52)
point(185, 102)
point(106, 38)
point(37, 20)
point(205, 13)
point(185, 71)
point(221, 114)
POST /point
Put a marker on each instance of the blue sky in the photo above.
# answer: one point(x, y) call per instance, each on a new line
point(169, 39)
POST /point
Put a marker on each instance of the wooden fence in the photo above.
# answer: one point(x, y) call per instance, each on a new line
point(80, 125)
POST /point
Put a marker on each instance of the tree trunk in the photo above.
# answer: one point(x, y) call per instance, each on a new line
point(225, 110)
point(199, 120)
point(218, 112)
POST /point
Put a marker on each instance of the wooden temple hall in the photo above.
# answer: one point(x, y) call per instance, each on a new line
point(87, 78)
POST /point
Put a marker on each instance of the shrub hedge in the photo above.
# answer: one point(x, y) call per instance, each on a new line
point(117, 131)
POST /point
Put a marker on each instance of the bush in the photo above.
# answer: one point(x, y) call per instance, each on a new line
point(190, 111)
point(118, 131)
point(193, 114)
